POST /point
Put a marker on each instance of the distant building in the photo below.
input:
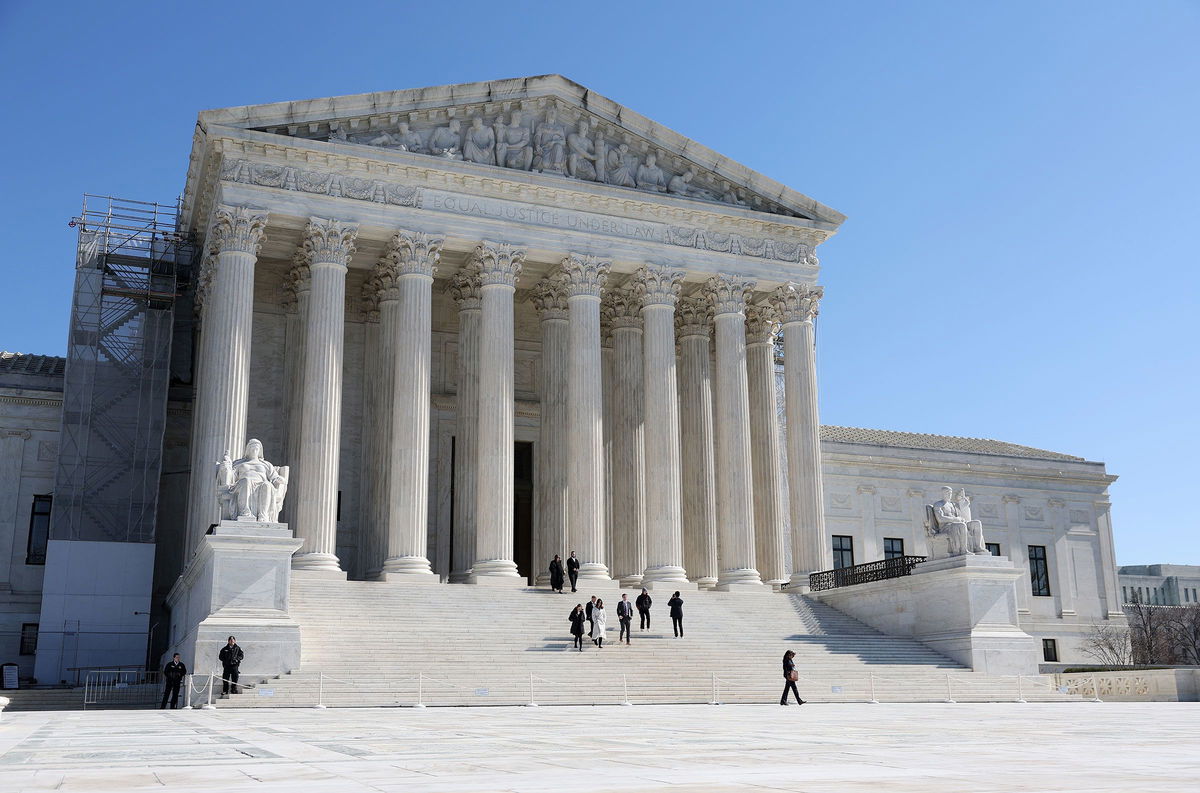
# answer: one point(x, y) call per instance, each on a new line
point(1160, 584)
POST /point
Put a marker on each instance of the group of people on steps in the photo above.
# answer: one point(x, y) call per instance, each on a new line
point(596, 617)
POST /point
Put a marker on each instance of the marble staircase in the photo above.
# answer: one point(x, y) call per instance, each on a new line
point(375, 644)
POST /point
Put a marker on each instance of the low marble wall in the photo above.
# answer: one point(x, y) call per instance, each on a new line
point(964, 607)
point(1143, 685)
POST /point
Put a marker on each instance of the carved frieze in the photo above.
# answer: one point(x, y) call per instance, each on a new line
point(384, 192)
point(542, 140)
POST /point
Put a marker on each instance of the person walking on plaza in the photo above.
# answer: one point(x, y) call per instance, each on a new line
point(231, 658)
point(676, 606)
point(790, 675)
point(556, 574)
point(577, 626)
point(591, 606)
point(625, 617)
point(599, 623)
point(173, 674)
point(573, 569)
point(643, 604)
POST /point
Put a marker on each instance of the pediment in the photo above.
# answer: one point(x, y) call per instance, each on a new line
point(547, 125)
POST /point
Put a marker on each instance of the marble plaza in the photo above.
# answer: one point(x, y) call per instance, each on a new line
point(1131, 748)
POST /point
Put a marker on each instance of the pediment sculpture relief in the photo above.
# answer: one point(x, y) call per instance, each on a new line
point(544, 142)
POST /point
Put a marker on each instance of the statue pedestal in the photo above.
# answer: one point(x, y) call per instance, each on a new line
point(965, 607)
point(237, 585)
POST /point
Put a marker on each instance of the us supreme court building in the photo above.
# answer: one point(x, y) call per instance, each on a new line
point(486, 324)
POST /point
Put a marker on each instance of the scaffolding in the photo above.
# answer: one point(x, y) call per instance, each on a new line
point(130, 259)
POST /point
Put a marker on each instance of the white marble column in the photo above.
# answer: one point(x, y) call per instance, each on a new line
point(658, 288)
point(693, 327)
point(465, 288)
point(769, 541)
point(296, 289)
point(550, 299)
point(735, 505)
point(406, 273)
point(499, 267)
point(796, 305)
point(376, 419)
point(226, 335)
point(329, 245)
point(585, 276)
point(622, 308)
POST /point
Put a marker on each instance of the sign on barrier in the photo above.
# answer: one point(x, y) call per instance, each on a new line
point(481, 692)
point(835, 689)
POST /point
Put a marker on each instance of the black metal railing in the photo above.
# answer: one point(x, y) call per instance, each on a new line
point(863, 573)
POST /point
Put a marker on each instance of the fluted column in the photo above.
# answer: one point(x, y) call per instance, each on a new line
point(297, 285)
point(585, 275)
point(693, 322)
point(550, 299)
point(376, 420)
point(735, 506)
point(226, 331)
point(329, 244)
point(797, 305)
point(658, 288)
point(622, 310)
point(405, 327)
point(465, 287)
point(769, 541)
point(499, 268)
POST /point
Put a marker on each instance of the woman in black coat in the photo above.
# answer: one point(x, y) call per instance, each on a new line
point(789, 673)
point(577, 618)
point(556, 574)
point(676, 606)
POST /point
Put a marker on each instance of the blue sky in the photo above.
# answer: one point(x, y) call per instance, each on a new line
point(1033, 164)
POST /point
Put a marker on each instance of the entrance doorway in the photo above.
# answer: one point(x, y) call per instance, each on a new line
point(522, 507)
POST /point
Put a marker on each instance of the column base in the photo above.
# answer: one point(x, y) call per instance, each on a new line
point(797, 583)
point(407, 565)
point(707, 582)
point(496, 572)
point(777, 584)
point(665, 574)
point(459, 577)
point(316, 561)
point(631, 581)
point(744, 579)
point(670, 586)
point(591, 571)
point(320, 575)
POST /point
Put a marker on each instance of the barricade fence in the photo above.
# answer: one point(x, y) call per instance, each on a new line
point(532, 690)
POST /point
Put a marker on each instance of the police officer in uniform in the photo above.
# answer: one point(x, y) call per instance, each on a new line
point(173, 674)
point(231, 658)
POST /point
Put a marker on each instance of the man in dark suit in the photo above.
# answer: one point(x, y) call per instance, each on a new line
point(231, 658)
point(573, 573)
point(173, 674)
point(625, 617)
point(588, 609)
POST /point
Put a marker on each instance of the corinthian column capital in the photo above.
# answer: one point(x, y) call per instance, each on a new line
point(369, 304)
point(728, 293)
point(550, 297)
point(465, 287)
point(414, 253)
point(693, 317)
point(621, 308)
point(585, 275)
point(762, 323)
point(498, 263)
point(796, 302)
point(657, 285)
point(239, 229)
point(329, 241)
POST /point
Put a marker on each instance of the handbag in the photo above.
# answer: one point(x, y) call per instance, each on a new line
point(793, 676)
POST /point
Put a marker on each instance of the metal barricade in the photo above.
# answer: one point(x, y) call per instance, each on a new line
point(122, 688)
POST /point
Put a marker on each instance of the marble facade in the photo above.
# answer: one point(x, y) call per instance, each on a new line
point(457, 262)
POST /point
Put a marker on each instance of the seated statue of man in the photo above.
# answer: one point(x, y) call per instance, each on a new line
point(250, 488)
point(950, 517)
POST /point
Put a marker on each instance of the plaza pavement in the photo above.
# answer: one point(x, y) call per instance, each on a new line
point(836, 748)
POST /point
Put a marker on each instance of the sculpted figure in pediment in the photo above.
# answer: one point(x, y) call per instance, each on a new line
point(650, 176)
point(622, 166)
point(480, 143)
point(447, 141)
point(550, 142)
point(582, 160)
point(403, 139)
point(513, 149)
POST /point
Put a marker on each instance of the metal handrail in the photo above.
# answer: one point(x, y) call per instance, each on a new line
point(881, 570)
